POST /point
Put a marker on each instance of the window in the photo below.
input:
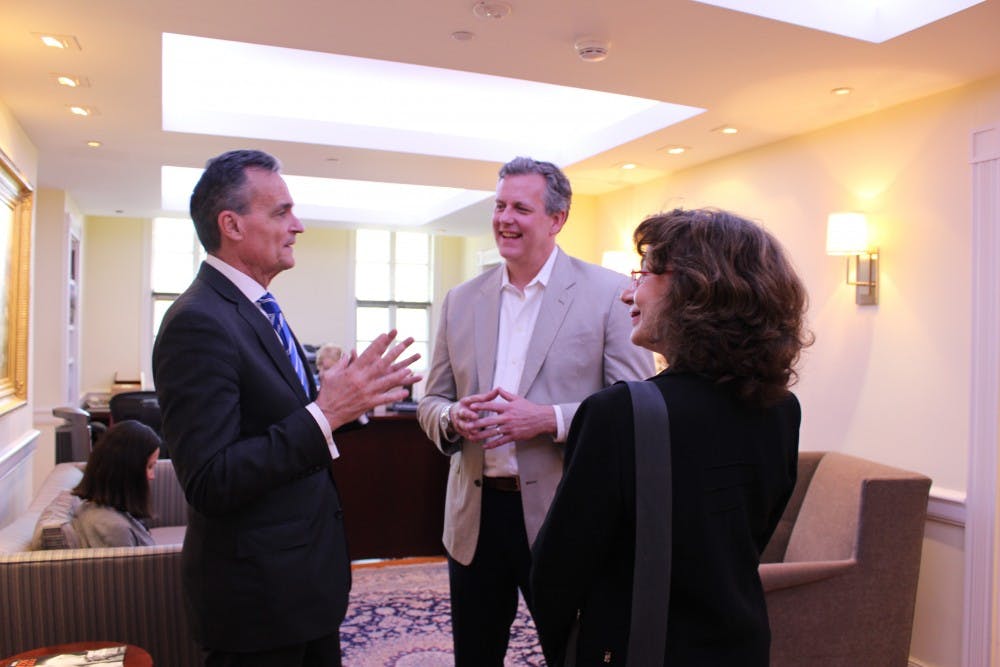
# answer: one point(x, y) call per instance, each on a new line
point(393, 288)
point(176, 254)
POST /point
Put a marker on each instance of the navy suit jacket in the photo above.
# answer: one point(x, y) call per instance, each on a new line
point(265, 561)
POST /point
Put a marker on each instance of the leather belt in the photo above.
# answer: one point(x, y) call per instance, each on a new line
point(508, 484)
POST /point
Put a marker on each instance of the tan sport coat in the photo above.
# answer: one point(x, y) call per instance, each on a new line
point(580, 344)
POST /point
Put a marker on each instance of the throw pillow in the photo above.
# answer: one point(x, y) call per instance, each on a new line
point(54, 530)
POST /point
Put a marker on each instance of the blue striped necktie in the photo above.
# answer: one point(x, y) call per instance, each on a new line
point(273, 312)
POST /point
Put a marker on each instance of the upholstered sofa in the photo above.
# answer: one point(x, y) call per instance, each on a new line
point(840, 573)
point(126, 594)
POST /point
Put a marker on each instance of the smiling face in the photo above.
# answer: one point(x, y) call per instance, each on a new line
point(647, 302)
point(259, 241)
point(525, 234)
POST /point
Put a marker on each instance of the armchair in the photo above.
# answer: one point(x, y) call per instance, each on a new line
point(840, 573)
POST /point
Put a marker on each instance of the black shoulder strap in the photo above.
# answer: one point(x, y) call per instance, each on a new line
point(653, 525)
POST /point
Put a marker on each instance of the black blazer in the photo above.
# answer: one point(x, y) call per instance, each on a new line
point(734, 469)
point(265, 561)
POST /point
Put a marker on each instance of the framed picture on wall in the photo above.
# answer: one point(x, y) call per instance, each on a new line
point(15, 257)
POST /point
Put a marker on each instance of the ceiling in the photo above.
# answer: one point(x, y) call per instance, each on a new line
point(769, 79)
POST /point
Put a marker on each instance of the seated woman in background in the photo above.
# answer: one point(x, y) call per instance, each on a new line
point(115, 488)
point(717, 297)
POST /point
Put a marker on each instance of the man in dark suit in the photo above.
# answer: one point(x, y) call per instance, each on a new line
point(265, 565)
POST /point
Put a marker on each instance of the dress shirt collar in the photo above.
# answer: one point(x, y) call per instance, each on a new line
point(251, 288)
point(541, 278)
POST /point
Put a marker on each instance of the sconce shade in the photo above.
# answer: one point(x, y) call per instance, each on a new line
point(846, 234)
point(619, 260)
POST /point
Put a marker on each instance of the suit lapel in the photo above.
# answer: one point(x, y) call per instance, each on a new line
point(487, 328)
point(257, 322)
point(556, 300)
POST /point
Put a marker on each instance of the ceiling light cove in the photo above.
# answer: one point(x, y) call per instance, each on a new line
point(868, 20)
point(340, 200)
point(213, 86)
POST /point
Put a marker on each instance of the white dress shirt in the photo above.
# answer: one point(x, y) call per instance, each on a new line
point(518, 314)
point(253, 290)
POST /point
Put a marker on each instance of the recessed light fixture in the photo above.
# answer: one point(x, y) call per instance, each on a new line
point(677, 150)
point(462, 35)
point(66, 42)
point(726, 129)
point(81, 111)
point(93, 143)
point(71, 80)
point(629, 165)
point(844, 90)
point(491, 10)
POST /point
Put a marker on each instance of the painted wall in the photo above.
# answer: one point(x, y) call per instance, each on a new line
point(889, 382)
point(115, 299)
point(56, 216)
point(317, 294)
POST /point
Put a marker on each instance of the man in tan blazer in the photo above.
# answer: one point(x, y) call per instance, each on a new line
point(517, 349)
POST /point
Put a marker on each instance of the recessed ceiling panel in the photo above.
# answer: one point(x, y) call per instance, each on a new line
point(869, 20)
point(341, 200)
point(219, 87)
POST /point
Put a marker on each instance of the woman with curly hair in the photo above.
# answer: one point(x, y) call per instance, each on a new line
point(717, 297)
point(115, 487)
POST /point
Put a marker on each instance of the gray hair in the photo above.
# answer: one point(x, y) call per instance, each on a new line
point(558, 193)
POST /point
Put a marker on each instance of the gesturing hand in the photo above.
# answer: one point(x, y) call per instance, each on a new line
point(357, 383)
point(510, 418)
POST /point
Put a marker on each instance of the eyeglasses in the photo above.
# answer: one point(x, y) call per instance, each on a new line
point(639, 277)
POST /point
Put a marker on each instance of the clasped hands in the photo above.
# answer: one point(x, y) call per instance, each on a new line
point(499, 417)
point(357, 383)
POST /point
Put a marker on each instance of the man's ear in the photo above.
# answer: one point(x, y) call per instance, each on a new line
point(230, 225)
point(558, 220)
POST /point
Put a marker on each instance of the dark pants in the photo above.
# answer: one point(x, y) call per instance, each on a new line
point(484, 593)
point(322, 652)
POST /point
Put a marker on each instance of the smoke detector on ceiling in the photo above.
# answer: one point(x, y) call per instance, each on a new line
point(491, 10)
point(591, 50)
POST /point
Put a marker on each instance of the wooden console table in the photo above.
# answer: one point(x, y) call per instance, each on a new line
point(391, 480)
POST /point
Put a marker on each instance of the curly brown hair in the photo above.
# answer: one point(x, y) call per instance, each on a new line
point(735, 307)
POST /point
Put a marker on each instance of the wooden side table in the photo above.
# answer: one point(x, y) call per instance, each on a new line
point(134, 656)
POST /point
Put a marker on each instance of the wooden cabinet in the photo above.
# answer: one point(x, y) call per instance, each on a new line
point(391, 480)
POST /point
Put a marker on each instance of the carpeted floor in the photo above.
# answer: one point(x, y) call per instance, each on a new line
point(399, 616)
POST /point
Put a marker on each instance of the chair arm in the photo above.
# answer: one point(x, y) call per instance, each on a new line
point(776, 576)
point(126, 594)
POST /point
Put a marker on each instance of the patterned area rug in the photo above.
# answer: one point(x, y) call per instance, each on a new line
point(400, 616)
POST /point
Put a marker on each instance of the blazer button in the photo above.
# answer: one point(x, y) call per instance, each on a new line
point(478, 482)
point(339, 514)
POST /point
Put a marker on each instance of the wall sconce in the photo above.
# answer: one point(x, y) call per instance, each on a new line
point(619, 260)
point(847, 234)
